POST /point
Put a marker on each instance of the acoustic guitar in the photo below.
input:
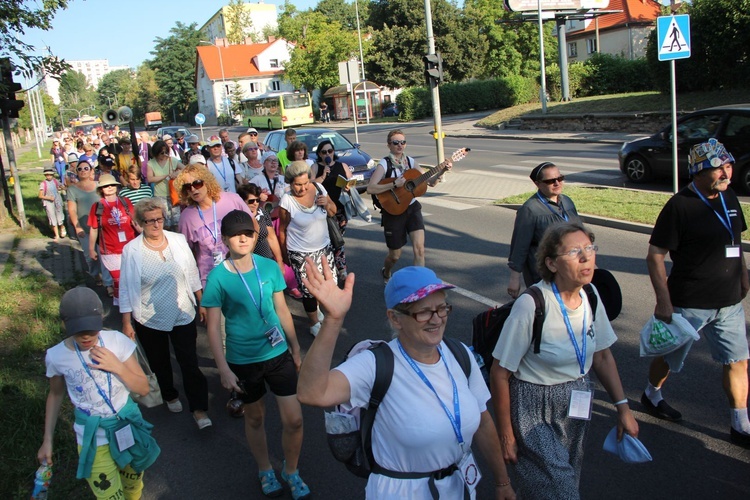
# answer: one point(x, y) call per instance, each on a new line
point(396, 200)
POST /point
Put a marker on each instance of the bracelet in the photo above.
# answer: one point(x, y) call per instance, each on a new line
point(503, 484)
point(621, 402)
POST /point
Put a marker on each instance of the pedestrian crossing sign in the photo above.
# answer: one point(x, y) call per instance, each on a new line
point(673, 33)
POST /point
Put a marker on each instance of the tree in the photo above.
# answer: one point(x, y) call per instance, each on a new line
point(235, 100)
point(51, 112)
point(342, 12)
point(239, 23)
point(114, 84)
point(174, 69)
point(75, 92)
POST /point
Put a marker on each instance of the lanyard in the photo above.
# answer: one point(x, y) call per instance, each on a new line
point(268, 181)
point(88, 371)
point(223, 175)
point(580, 351)
point(258, 306)
point(215, 232)
point(561, 213)
point(727, 223)
point(455, 420)
point(116, 214)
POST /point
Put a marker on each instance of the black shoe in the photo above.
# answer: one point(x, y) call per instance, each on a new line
point(739, 438)
point(385, 278)
point(662, 410)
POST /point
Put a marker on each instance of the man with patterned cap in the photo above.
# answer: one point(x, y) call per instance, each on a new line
point(700, 227)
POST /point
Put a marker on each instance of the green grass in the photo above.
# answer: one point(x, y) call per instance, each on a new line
point(614, 203)
point(30, 159)
point(621, 103)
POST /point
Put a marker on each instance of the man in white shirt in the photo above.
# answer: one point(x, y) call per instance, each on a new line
point(219, 165)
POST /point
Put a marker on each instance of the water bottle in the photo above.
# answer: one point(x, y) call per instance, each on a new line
point(41, 482)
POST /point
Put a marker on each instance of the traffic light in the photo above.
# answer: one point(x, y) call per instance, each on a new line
point(433, 68)
point(8, 88)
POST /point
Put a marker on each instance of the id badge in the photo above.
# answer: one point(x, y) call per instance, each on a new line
point(580, 404)
point(274, 336)
point(217, 257)
point(121, 236)
point(125, 438)
point(469, 472)
point(732, 251)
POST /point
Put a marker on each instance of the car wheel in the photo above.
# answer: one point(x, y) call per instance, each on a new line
point(637, 169)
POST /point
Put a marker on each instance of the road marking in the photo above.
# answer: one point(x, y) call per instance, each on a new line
point(499, 175)
point(443, 203)
point(476, 297)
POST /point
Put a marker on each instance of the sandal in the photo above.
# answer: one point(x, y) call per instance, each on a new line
point(296, 484)
point(111, 291)
point(99, 281)
point(269, 484)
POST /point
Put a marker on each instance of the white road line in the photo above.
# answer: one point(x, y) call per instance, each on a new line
point(440, 201)
point(476, 297)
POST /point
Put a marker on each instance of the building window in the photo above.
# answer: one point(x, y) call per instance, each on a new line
point(254, 88)
point(573, 49)
point(591, 46)
point(274, 63)
point(228, 90)
point(275, 85)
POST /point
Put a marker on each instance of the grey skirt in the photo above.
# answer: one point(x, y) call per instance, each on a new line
point(550, 445)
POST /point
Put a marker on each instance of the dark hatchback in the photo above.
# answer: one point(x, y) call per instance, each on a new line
point(651, 157)
point(361, 163)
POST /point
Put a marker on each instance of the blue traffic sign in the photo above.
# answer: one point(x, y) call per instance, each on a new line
point(200, 119)
point(673, 34)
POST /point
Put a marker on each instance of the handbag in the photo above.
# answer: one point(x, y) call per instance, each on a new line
point(174, 195)
point(334, 230)
point(153, 398)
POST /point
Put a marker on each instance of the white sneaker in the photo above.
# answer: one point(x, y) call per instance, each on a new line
point(174, 406)
point(315, 329)
point(321, 317)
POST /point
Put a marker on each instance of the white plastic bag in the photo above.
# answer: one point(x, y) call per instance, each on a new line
point(659, 338)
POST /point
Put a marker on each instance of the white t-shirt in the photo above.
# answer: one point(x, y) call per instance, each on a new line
point(280, 189)
point(556, 362)
point(63, 361)
point(411, 432)
point(307, 230)
point(251, 173)
point(224, 173)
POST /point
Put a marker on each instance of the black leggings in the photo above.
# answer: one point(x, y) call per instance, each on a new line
point(310, 305)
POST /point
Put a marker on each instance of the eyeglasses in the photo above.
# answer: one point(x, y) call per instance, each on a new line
point(79, 169)
point(154, 222)
point(425, 316)
point(196, 184)
point(398, 143)
point(549, 182)
point(97, 144)
point(326, 151)
point(252, 201)
point(575, 253)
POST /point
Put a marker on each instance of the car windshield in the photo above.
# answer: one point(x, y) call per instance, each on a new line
point(340, 142)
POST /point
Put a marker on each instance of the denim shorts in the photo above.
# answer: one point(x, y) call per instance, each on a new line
point(723, 329)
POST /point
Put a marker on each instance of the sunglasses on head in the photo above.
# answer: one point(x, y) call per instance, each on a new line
point(326, 151)
point(398, 143)
point(549, 182)
point(196, 184)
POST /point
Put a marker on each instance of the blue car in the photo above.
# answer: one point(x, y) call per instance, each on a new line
point(391, 109)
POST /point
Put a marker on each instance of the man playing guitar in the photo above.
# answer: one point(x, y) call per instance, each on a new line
point(396, 227)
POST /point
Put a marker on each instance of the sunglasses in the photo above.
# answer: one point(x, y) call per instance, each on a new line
point(398, 143)
point(97, 144)
point(252, 201)
point(253, 133)
point(326, 151)
point(196, 184)
point(79, 169)
point(549, 182)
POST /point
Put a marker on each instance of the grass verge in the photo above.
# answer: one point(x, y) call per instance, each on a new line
point(622, 204)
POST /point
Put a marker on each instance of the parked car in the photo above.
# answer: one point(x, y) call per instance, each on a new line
point(161, 132)
point(650, 158)
point(390, 109)
point(361, 163)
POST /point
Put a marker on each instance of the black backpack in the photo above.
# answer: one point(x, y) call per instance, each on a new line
point(355, 449)
point(486, 326)
point(388, 171)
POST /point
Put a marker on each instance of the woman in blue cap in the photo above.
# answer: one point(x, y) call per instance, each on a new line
point(432, 410)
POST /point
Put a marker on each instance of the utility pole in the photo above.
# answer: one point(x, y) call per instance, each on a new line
point(9, 106)
point(433, 63)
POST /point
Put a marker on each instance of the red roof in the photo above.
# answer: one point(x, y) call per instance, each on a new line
point(236, 59)
point(633, 11)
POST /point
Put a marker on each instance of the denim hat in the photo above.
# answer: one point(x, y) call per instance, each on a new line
point(81, 311)
point(629, 449)
point(411, 284)
point(711, 154)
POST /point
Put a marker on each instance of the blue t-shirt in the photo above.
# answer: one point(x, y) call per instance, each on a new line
point(246, 331)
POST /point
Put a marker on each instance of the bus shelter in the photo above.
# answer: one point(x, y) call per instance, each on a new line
point(363, 91)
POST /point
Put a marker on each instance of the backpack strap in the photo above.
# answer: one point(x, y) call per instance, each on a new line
point(536, 330)
point(383, 376)
point(459, 352)
point(593, 300)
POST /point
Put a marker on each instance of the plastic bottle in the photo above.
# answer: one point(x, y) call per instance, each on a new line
point(41, 482)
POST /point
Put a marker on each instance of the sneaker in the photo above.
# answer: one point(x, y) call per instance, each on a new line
point(269, 484)
point(321, 317)
point(368, 218)
point(739, 438)
point(296, 484)
point(202, 422)
point(174, 406)
point(315, 329)
point(661, 410)
point(295, 293)
point(64, 234)
point(386, 279)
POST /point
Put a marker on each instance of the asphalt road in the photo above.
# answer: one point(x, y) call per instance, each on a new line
point(467, 245)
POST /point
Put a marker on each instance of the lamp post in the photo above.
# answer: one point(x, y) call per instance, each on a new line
point(223, 80)
point(79, 111)
point(109, 97)
point(362, 62)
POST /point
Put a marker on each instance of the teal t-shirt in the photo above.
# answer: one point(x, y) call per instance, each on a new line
point(246, 331)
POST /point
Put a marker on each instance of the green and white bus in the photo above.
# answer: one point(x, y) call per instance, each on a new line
point(278, 110)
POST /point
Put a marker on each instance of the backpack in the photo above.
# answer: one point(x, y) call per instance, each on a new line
point(388, 172)
point(486, 326)
point(354, 448)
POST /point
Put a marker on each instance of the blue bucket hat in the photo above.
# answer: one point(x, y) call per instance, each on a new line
point(629, 449)
point(711, 154)
point(411, 284)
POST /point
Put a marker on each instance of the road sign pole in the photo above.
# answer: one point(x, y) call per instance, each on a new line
point(675, 162)
point(202, 138)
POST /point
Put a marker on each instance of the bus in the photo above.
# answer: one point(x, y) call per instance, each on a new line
point(86, 124)
point(278, 110)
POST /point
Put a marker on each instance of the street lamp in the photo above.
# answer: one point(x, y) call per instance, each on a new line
point(79, 111)
point(109, 100)
point(223, 80)
point(362, 61)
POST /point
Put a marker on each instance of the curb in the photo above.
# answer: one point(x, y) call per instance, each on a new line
point(532, 138)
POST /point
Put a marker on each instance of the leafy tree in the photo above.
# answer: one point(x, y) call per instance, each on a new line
point(51, 112)
point(344, 13)
point(114, 84)
point(239, 22)
point(235, 100)
point(174, 69)
point(142, 96)
point(75, 92)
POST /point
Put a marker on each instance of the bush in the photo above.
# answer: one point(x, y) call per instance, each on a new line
point(577, 73)
point(414, 103)
point(225, 120)
point(608, 74)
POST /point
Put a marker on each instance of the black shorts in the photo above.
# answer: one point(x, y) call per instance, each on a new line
point(397, 227)
point(279, 373)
